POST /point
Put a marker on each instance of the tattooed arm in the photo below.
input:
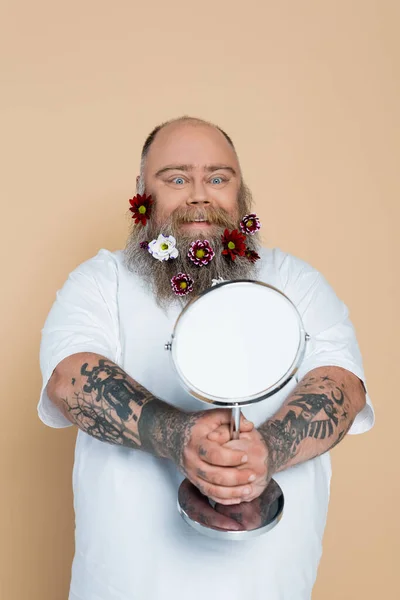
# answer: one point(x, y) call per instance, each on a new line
point(101, 399)
point(314, 418)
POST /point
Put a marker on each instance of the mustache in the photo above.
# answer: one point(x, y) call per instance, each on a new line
point(214, 215)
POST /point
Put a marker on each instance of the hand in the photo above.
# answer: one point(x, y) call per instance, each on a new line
point(212, 468)
point(256, 449)
point(258, 512)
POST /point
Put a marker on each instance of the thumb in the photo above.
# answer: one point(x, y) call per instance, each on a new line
point(245, 425)
point(222, 432)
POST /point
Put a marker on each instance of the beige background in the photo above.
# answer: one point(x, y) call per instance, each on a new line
point(309, 91)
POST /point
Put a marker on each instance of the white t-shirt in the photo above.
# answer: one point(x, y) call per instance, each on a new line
point(130, 541)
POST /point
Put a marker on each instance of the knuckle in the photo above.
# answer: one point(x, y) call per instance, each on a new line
point(211, 491)
point(214, 456)
point(217, 491)
point(240, 492)
point(218, 479)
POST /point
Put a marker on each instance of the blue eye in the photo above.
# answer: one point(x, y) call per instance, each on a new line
point(217, 179)
point(178, 180)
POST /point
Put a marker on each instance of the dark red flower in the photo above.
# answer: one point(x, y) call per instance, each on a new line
point(250, 224)
point(252, 255)
point(182, 284)
point(201, 253)
point(141, 208)
point(144, 245)
point(234, 243)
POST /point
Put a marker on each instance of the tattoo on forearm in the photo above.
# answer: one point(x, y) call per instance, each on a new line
point(319, 410)
point(113, 408)
point(107, 404)
point(110, 383)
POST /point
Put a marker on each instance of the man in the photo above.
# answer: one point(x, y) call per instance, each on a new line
point(140, 434)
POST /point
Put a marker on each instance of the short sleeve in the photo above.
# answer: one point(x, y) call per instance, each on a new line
point(83, 318)
point(326, 320)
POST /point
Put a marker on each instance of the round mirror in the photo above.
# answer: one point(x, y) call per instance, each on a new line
point(237, 343)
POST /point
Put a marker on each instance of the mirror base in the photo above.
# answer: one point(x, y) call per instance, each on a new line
point(255, 518)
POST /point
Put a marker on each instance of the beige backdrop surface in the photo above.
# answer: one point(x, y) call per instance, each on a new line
point(309, 91)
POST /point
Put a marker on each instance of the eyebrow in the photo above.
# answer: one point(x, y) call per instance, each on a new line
point(208, 168)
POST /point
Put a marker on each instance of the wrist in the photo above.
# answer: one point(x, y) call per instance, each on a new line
point(273, 464)
point(162, 429)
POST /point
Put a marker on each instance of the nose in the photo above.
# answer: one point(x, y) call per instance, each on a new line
point(199, 195)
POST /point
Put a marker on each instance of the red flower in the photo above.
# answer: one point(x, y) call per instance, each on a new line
point(234, 244)
point(252, 255)
point(182, 284)
point(201, 253)
point(250, 224)
point(141, 208)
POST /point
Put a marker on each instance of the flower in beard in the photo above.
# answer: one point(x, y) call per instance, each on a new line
point(144, 245)
point(201, 253)
point(182, 284)
point(233, 243)
point(252, 255)
point(163, 248)
point(141, 208)
point(250, 224)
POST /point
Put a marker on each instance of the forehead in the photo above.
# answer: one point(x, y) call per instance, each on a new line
point(188, 143)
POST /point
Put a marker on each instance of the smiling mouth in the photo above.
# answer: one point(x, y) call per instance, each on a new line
point(197, 222)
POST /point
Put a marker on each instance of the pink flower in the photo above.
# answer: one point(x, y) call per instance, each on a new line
point(182, 284)
point(201, 253)
point(250, 224)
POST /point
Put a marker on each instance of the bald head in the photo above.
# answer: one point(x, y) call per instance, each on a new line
point(167, 129)
point(191, 163)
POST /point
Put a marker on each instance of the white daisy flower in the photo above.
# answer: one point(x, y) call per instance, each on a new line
point(163, 248)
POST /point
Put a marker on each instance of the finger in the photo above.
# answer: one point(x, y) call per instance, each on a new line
point(245, 425)
point(220, 416)
point(222, 435)
point(226, 493)
point(198, 508)
point(214, 454)
point(227, 501)
point(228, 477)
point(242, 443)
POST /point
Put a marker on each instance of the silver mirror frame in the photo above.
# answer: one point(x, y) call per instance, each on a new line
point(214, 400)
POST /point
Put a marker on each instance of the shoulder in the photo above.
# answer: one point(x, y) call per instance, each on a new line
point(304, 285)
point(104, 267)
point(287, 269)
